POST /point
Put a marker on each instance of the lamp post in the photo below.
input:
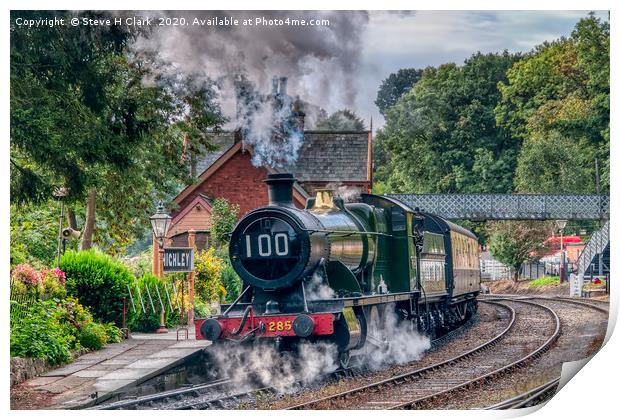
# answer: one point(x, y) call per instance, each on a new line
point(160, 222)
point(561, 225)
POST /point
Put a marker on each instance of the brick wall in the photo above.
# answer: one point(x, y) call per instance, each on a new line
point(239, 182)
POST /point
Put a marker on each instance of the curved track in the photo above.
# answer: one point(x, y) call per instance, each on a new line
point(532, 397)
point(422, 388)
point(219, 394)
point(538, 327)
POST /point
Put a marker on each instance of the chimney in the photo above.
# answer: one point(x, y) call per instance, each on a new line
point(274, 85)
point(283, 81)
point(280, 189)
point(299, 114)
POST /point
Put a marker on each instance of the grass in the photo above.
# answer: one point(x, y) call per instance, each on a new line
point(544, 281)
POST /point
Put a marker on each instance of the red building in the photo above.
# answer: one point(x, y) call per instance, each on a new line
point(336, 160)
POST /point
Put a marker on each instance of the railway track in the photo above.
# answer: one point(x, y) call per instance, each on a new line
point(529, 398)
point(435, 384)
point(423, 388)
point(217, 394)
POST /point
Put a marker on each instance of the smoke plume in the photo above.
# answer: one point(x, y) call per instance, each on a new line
point(321, 63)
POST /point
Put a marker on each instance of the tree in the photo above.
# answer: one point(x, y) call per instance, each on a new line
point(223, 219)
point(90, 115)
point(441, 136)
point(341, 120)
point(395, 86)
point(514, 242)
point(561, 91)
point(552, 163)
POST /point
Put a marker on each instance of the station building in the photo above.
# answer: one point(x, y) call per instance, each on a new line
point(327, 159)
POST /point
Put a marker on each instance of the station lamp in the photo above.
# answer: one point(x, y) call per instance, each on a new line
point(160, 222)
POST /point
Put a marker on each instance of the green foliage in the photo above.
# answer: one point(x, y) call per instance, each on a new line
point(552, 163)
point(543, 281)
point(148, 320)
point(34, 233)
point(86, 112)
point(208, 267)
point(341, 120)
point(93, 336)
point(42, 334)
point(98, 282)
point(441, 136)
point(201, 309)
point(395, 86)
point(230, 279)
point(514, 242)
point(112, 332)
point(223, 219)
point(557, 100)
point(52, 288)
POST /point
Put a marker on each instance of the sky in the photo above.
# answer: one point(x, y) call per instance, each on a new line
point(341, 65)
point(431, 38)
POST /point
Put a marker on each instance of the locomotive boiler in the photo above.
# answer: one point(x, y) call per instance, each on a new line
point(332, 272)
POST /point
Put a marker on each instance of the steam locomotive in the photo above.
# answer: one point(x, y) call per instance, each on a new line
point(332, 272)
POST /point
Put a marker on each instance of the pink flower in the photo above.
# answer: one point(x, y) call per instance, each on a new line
point(60, 275)
point(26, 274)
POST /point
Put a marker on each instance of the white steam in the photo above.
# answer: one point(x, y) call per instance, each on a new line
point(347, 193)
point(393, 341)
point(262, 365)
point(318, 289)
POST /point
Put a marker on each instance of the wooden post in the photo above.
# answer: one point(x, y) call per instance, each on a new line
point(155, 257)
point(191, 242)
point(162, 320)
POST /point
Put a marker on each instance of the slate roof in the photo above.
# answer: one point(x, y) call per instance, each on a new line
point(324, 156)
point(224, 140)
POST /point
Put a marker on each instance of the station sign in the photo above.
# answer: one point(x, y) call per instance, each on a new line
point(178, 260)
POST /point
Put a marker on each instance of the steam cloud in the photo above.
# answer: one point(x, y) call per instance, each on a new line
point(261, 365)
point(318, 289)
point(400, 342)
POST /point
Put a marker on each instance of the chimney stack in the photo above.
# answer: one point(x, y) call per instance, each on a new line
point(280, 189)
point(274, 85)
point(283, 82)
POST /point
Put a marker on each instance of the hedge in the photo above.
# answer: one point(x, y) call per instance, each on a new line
point(98, 282)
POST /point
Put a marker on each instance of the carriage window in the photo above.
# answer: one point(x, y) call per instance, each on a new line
point(399, 220)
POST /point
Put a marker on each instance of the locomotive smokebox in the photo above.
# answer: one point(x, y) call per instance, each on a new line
point(280, 189)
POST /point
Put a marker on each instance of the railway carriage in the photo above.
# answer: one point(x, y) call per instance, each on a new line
point(332, 271)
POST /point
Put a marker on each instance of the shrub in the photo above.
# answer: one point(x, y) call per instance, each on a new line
point(113, 333)
point(42, 334)
point(26, 274)
point(208, 280)
point(223, 219)
point(148, 320)
point(231, 282)
point(543, 281)
point(201, 309)
point(93, 336)
point(98, 282)
point(75, 313)
point(53, 284)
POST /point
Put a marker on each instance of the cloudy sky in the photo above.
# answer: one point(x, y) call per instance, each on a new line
point(341, 65)
point(431, 38)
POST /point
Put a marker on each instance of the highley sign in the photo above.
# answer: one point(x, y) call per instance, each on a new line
point(178, 260)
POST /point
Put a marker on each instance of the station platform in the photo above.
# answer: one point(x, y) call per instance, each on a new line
point(99, 375)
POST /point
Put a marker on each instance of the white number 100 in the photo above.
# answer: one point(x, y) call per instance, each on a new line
point(264, 244)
